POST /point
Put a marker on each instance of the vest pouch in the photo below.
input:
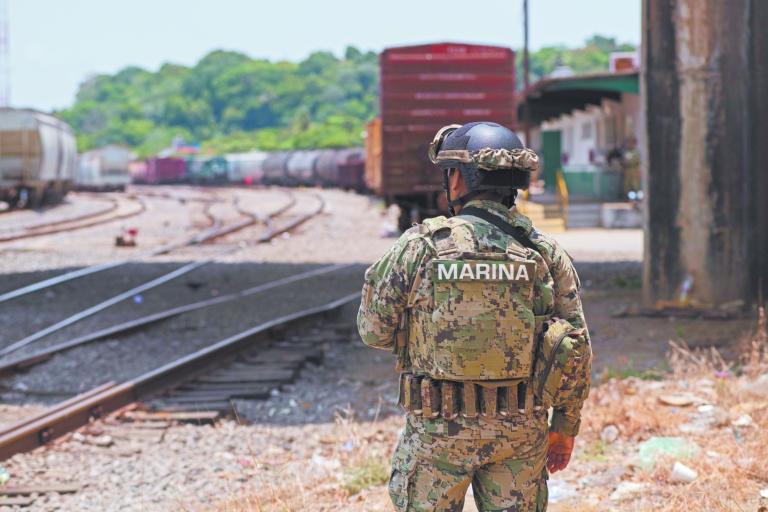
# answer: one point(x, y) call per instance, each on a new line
point(482, 327)
point(563, 364)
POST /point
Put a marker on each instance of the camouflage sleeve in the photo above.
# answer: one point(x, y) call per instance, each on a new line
point(566, 419)
point(386, 288)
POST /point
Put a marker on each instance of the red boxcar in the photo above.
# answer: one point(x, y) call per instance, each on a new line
point(351, 165)
point(424, 88)
point(165, 170)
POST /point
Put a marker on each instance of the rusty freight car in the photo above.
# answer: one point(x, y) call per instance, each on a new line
point(422, 89)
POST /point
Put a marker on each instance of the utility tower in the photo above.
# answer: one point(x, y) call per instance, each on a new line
point(5, 67)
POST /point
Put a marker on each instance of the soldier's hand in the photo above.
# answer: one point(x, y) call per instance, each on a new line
point(559, 453)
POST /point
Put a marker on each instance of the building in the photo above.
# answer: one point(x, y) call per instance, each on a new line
point(590, 128)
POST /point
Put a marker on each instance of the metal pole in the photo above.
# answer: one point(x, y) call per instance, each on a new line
point(526, 77)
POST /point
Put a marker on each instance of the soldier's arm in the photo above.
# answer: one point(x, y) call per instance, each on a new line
point(567, 419)
point(386, 288)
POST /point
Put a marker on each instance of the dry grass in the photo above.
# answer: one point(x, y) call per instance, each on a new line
point(732, 465)
point(343, 467)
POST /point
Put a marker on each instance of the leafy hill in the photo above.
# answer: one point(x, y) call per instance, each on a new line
point(231, 102)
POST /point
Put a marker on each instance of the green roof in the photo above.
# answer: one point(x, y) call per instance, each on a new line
point(628, 83)
point(553, 97)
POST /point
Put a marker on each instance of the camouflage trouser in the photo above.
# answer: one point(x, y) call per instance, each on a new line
point(435, 461)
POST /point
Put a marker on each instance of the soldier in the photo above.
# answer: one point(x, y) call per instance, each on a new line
point(631, 167)
point(484, 316)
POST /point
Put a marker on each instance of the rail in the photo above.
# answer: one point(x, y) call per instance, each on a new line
point(112, 205)
point(138, 323)
point(38, 430)
point(270, 234)
point(60, 226)
point(213, 231)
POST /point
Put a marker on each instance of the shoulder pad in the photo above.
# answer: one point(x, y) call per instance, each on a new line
point(431, 226)
point(412, 232)
point(545, 243)
point(435, 224)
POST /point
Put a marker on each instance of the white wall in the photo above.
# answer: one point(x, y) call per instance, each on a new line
point(589, 135)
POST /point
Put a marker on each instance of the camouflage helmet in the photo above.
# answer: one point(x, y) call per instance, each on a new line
point(488, 155)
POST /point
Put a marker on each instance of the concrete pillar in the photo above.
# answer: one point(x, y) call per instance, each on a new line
point(704, 94)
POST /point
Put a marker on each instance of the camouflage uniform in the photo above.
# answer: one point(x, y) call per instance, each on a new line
point(503, 458)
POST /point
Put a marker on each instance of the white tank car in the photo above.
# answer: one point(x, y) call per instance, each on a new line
point(106, 168)
point(38, 155)
point(300, 167)
point(246, 168)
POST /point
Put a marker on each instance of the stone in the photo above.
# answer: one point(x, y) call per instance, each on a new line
point(103, 441)
point(626, 490)
point(706, 417)
point(608, 478)
point(745, 420)
point(757, 388)
point(609, 434)
point(680, 399)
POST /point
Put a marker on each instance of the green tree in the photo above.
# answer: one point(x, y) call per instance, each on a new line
point(593, 57)
point(230, 102)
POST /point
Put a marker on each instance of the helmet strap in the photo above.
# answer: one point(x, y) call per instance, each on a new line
point(461, 201)
point(447, 188)
point(509, 201)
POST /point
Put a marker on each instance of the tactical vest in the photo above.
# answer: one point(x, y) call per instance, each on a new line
point(482, 326)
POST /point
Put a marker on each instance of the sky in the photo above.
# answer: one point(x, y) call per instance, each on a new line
point(56, 44)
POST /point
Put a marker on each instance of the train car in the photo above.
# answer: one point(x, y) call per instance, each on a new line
point(351, 165)
point(138, 171)
point(300, 168)
point(247, 168)
point(164, 170)
point(327, 167)
point(424, 88)
point(207, 170)
point(105, 168)
point(343, 168)
point(38, 156)
point(274, 168)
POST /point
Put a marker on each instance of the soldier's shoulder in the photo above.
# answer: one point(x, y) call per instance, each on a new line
point(413, 239)
point(429, 227)
point(551, 247)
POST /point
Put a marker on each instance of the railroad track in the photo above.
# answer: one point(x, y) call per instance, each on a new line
point(25, 362)
point(213, 231)
point(111, 205)
point(198, 387)
point(85, 220)
point(271, 232)
point(247, 364)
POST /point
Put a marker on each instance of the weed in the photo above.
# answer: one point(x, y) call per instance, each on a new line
point(627, 372)
point(595, 452)
point(367, 473)
point(628, 282)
